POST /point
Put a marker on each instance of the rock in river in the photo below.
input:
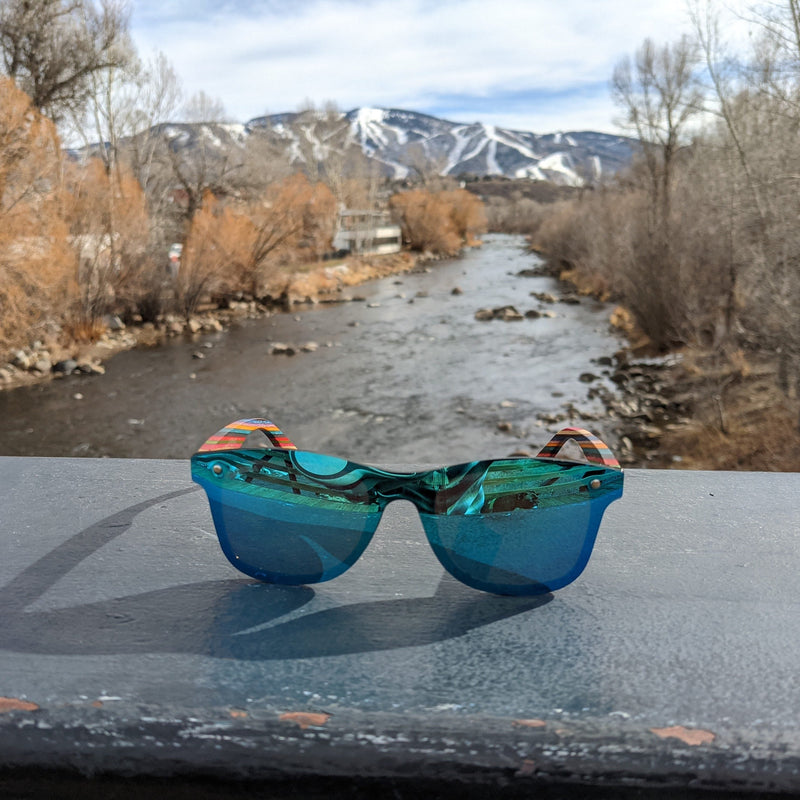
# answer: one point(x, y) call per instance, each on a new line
point(505, 313)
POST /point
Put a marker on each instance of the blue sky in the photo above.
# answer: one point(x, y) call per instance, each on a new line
point(533, 65)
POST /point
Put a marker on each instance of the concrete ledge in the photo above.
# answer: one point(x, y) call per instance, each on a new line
point(130, 648)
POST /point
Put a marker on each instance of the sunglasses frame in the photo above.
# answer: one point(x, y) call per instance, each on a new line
point(458, 495)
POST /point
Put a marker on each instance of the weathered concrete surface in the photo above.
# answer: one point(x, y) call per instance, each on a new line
point(672, 664)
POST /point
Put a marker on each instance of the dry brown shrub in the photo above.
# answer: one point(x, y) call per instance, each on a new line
point(293, 223)
point(81, 330)
point(675, 283)
point(467, 213)
point(241, 249)
point(426, 222)
point(109, 232)
point(206, 255)
point(36, 265)
point(560, 236)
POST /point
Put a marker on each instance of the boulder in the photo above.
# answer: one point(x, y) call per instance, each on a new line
point(21, 359)
point(281, 349)
point(508, 314)
point(114, 323)
point(43, 364)
point(530, 273)
point(505, 313)
point(65, 367)
point(90, 368)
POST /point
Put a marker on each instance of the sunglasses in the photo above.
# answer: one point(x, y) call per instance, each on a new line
point(514, 526)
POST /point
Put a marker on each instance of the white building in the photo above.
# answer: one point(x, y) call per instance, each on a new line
point(367, 233)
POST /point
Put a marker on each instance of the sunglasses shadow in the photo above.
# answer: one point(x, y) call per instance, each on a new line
point(229, 618)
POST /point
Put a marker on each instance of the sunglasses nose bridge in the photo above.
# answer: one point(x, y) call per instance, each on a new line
point(418, 488)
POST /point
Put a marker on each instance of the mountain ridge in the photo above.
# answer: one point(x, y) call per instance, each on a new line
point(403, 141)
point(403, 144)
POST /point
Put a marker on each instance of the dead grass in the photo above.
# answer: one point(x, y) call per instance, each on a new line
point(593, 285)
point(326, 280)
point(84, 331)
point(741, 419)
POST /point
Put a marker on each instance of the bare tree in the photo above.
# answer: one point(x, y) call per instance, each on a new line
point(201, 107)
point(658, 94)
point(202, 157)
point(265, 161)
point(123, 105)
point(757, 99)
point(158, 93)
point(428, 167)
point(51, 48)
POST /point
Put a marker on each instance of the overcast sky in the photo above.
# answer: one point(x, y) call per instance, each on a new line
point(536, 65)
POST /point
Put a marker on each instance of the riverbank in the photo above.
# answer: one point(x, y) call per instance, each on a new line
point(406, 375)
point(687, 410)
point(54, 357)
point(703, 410)
point(697, 408)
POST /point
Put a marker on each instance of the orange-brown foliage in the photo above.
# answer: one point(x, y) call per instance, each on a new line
point(294, 222)
point(204, 256)
point(238, 249)
point(36, 266)
point(109, 229)
point(467, 213)
point(438, 223)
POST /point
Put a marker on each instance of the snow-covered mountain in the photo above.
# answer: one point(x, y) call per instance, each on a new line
point(404, 142)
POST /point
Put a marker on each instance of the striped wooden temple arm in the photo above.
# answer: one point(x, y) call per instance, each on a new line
point(595, 450)
point(233, 436)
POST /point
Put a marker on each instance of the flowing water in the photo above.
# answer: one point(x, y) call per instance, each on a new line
point(407, 376)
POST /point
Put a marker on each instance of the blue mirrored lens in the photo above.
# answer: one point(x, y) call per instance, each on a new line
point(275, 523)
point(525, 526)
point(518, 552)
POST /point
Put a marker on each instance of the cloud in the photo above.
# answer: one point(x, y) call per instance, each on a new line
point(418, 54)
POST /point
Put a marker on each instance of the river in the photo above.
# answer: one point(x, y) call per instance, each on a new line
point(406, 376)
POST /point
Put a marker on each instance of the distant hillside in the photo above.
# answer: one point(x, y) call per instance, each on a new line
point(404, 142)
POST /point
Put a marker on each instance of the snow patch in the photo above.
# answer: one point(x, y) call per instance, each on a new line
point(491, 158)
point(367, 116)
point(235, 130)
point(461, 142)
point(530, 171)
point(559, 163)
